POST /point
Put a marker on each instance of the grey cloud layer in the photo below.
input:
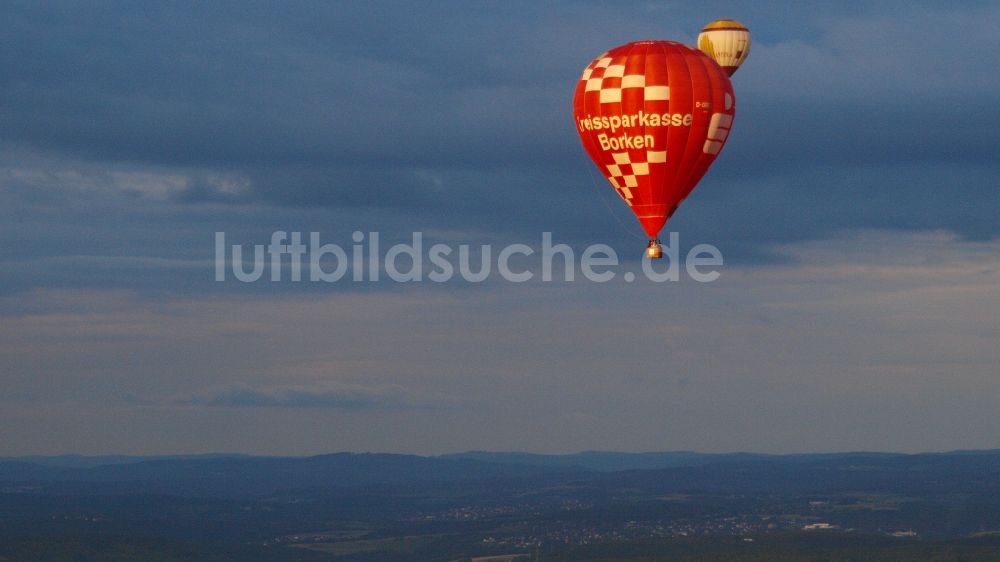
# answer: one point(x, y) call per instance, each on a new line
point(130, 134)
point(461, 113)
point(871, 341)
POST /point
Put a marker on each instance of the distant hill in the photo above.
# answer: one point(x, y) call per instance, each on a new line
point(604, 461)
point(610, 461)
point(86, 461)
point(247, 476)
point(236, 475)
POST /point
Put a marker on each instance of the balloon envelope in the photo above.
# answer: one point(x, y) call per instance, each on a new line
point(727, 42)
point(653, 115)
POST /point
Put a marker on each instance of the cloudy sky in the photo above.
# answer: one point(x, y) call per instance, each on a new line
point(855, 205)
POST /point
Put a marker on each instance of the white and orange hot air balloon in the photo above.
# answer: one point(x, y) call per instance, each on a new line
point(727, 42)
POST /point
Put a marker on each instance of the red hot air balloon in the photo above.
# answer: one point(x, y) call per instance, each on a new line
point(653, 115)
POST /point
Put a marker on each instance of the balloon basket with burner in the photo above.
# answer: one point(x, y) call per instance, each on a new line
point(653, 250)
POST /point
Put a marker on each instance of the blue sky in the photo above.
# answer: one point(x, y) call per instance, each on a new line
point(856, 205)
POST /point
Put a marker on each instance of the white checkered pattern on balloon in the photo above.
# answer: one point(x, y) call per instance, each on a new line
point(606, 75)
point(610, 79)
point(623, 173)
